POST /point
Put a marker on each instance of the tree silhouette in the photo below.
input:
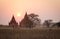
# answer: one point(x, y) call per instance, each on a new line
point(34, 18)
point(57, 24)
point(47, 23)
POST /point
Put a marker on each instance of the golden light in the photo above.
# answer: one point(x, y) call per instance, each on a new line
point(18, 14)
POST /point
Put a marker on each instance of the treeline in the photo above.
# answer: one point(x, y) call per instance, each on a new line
point(33, 20)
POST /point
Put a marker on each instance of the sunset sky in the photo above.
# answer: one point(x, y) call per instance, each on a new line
point(46, 9)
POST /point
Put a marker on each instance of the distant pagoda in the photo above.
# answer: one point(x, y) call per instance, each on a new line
point(13, 22)
point(26, 22)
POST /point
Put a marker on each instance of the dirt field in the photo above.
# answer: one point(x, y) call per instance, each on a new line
point(30, 33)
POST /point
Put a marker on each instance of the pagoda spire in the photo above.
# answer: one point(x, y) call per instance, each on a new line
point(13, 19)
point(26, 16)
point(26, 22)
point(13, 22)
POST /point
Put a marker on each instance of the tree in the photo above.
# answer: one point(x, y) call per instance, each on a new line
point(33, 15)
point(47, 23)
point(34, 18)
point(56, 24)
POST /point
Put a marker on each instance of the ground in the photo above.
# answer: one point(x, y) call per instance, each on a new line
point(43, 33)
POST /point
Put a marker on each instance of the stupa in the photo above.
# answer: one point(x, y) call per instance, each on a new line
point(13, 22)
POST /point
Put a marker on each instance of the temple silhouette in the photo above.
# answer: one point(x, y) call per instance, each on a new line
point(13, 22)
point(26, 22)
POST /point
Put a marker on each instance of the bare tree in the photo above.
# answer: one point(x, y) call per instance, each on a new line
point(34, 18)
point(47, 23)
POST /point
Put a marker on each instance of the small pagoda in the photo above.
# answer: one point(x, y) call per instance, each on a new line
point(13, 22)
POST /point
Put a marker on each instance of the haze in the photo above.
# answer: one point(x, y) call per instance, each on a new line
point(46, 9)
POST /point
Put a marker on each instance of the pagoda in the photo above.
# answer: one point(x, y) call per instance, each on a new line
point(13, 22)
point(26, 22)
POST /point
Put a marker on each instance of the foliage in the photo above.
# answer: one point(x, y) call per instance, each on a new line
point(57, 24)
point(34, 18)
point(47, 23)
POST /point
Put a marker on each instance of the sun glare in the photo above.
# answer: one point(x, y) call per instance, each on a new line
point(18, 14)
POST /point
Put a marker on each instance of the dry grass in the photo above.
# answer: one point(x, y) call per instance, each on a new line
point(30, 33)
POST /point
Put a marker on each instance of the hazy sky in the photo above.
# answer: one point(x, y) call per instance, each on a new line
point(46, 9)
